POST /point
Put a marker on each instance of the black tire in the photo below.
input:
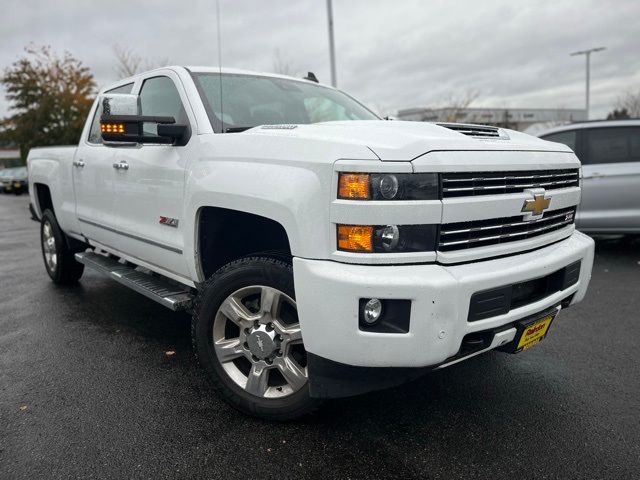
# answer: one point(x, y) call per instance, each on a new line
point(239, 275)
point(63, 269)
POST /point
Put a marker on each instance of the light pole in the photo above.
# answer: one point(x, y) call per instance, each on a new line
point(332, 50)
point(587, 54)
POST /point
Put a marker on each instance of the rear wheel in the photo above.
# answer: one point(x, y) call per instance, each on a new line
point(58, 257)
point(247, 336)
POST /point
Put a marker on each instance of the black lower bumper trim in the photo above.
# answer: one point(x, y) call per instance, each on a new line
point(501, 300)
point(329, 379)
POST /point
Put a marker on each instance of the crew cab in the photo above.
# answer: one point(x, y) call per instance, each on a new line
point(322, 251)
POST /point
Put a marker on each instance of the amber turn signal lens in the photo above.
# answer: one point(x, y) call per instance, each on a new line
point(112, 127)
point(354, 186)
point(355, 238)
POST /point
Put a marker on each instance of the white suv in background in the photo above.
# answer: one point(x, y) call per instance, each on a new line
point(610, 154)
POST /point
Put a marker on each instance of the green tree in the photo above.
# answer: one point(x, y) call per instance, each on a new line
point(49, 96)
point(618, 114)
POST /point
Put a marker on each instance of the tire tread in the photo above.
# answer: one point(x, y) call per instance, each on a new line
point(68, 270)
point(278, 261)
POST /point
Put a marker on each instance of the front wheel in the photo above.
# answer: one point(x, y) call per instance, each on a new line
point(247, 336)
point(58, 257)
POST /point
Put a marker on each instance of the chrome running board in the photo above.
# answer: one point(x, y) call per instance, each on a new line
point(167, 293)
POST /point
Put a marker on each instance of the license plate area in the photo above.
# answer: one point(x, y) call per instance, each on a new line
point(530, 331)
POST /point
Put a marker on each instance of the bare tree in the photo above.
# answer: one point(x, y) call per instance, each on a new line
point(630, 102)
point(282, 66)
point(130, 63)
point(455, 103)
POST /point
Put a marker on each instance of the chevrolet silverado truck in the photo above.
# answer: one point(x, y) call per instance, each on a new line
point(321, 250)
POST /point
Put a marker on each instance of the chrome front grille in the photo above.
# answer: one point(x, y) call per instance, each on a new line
point(462, 184)
point(481, 233)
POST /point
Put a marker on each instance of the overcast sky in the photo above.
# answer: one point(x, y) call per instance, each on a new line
point(390, 54)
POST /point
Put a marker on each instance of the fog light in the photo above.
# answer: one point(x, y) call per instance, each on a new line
point(372, 311)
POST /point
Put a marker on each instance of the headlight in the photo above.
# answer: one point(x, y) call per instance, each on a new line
point(388, 186)
point(386, 238)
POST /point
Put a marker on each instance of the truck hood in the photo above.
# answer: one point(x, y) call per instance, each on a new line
point(402, 141)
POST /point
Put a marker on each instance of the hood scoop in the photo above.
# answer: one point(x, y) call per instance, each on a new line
point(478, 131)
point(279, 127)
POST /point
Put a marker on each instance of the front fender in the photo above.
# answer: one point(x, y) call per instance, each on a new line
point(296, 197)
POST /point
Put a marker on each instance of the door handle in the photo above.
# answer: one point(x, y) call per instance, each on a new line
point(78, 163)
point(121, 166)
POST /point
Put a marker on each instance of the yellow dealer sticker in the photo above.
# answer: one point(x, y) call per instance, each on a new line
point(534, 332)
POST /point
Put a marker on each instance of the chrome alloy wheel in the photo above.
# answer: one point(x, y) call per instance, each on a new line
point(257, 339)
point(49, 247)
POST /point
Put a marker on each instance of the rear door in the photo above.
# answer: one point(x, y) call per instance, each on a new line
point(93, 181)
point(611, 180)
point(150, 190)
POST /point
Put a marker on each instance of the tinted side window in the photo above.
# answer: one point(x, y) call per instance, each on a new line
point(613, 145)
point(160, 97)
point(568, 138)
point(94, 133)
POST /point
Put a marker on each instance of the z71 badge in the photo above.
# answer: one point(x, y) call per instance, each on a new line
point(169, 222)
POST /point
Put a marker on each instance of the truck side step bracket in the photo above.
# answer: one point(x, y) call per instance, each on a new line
point(170, 294)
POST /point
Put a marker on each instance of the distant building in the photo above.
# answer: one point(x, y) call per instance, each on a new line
point(514, 118)
point(9, 157)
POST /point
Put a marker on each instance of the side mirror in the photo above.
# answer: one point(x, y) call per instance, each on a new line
point(120, 104)
point(121, 123)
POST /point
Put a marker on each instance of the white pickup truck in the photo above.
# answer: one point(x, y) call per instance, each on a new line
point(322, 251)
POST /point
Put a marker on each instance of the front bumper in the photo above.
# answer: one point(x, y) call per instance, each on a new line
point(14, 186)
point(328, 293)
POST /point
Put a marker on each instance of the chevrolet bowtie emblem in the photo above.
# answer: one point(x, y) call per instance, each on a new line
point(536, 206)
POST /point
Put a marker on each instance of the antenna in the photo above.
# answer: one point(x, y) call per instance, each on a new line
point(220, 63)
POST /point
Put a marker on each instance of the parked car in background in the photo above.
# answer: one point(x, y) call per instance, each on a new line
point(4, 174)
point(15, 180)
point(610, 155)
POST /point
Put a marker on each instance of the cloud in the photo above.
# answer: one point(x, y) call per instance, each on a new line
point(390, 55)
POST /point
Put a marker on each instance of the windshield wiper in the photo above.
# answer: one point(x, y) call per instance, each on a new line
point(236, 129)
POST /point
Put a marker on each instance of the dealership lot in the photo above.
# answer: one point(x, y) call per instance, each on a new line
point(97, 381)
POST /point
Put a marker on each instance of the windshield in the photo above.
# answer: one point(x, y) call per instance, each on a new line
point(249, 101)
point(15, 172)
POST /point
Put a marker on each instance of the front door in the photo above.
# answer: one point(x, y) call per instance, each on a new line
point(93, 181)
point(149, 185)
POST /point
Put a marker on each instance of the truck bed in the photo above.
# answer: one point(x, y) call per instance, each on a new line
point(60, 153)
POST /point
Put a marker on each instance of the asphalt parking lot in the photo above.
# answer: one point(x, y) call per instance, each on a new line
point(87, 390)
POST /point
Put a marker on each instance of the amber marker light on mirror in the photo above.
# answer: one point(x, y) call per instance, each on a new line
point(112, 127)
point(355, 238)
point(353, 186)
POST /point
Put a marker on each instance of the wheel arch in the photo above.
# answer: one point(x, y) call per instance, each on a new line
point(45, 182)
point(42, 197)
point(224, 235)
